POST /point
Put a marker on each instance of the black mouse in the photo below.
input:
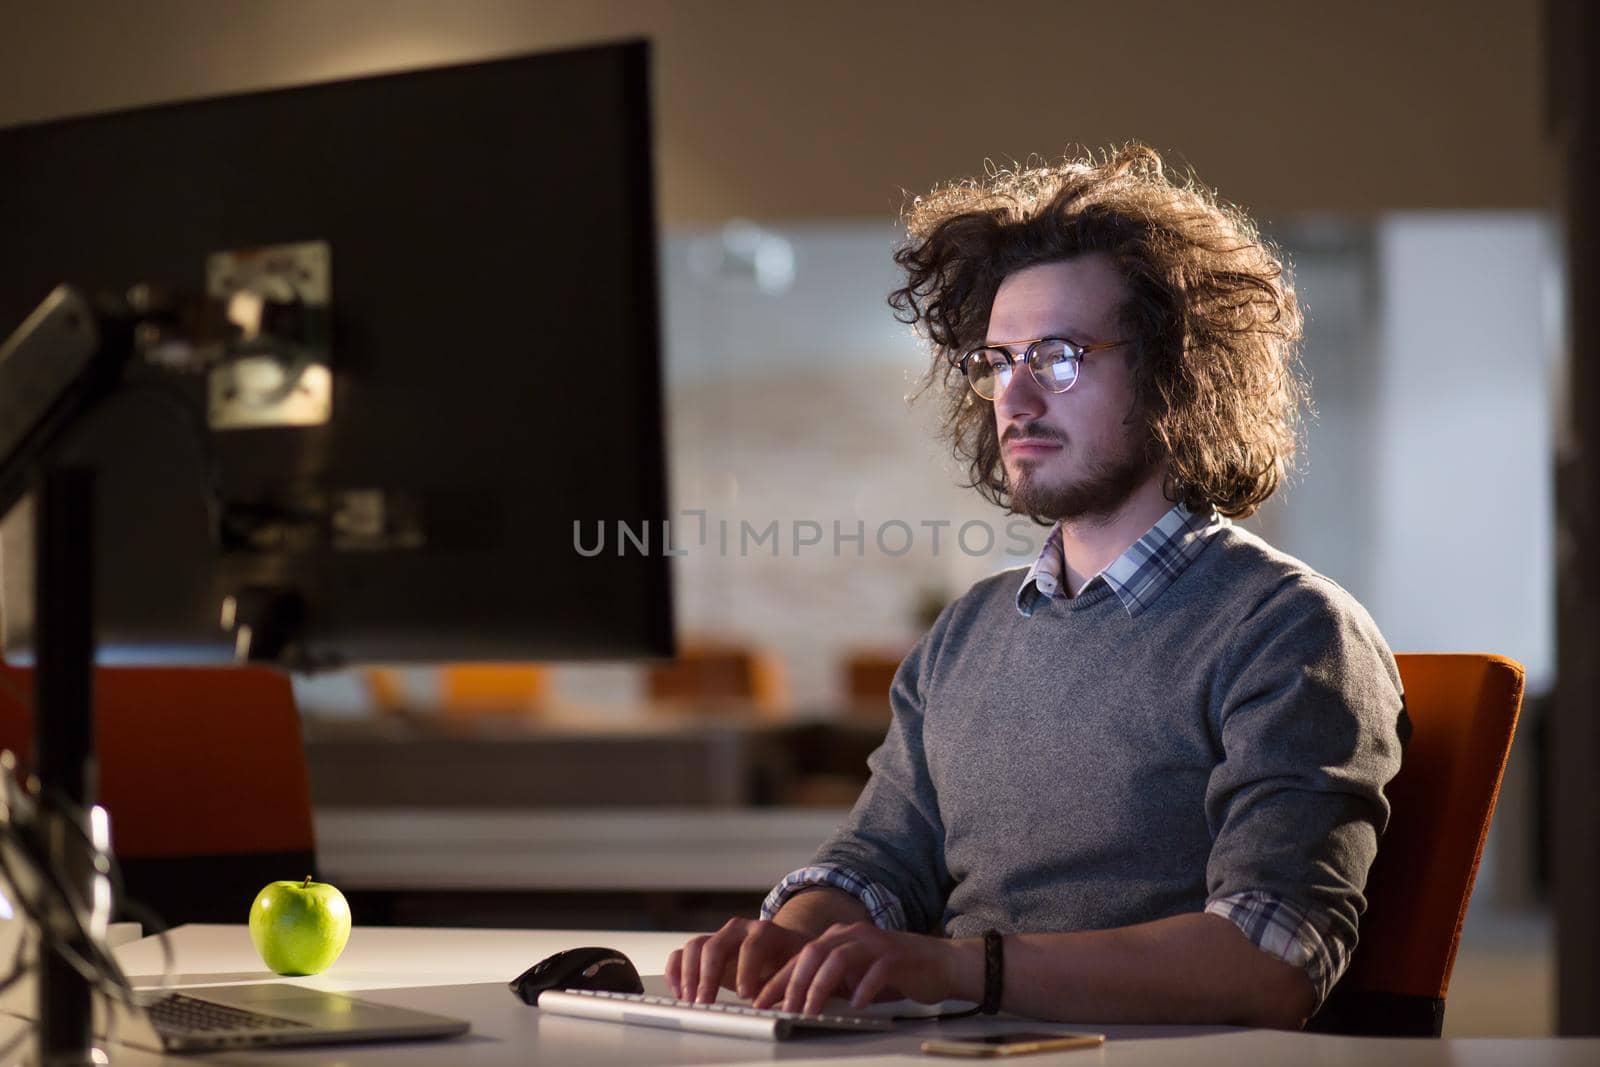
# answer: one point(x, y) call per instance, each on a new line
point(579, 968)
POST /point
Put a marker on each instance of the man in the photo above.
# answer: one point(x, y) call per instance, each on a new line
point(1145, 781)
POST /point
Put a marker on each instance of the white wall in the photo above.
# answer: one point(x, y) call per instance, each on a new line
point(1462, 529)
point(792, 408)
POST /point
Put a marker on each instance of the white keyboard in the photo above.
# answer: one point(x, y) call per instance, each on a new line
point(733, 1020)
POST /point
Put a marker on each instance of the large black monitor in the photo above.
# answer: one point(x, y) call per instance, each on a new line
point(484, 237)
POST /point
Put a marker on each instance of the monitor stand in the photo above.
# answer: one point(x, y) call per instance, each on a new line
point(53, 368)
point(64, 761)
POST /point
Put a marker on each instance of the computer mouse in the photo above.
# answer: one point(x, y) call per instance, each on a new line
point(579, 968)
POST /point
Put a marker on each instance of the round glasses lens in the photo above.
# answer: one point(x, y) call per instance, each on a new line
point(1054, 365)
point(988, 371)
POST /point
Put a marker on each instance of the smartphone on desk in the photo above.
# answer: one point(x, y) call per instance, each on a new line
point(1015, 1043)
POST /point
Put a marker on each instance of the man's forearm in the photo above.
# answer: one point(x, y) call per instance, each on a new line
point(815, 908)
point(1195, 968)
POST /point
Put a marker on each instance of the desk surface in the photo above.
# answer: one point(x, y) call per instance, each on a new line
point(463, 973)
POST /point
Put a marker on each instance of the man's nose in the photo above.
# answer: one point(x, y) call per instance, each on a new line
point(1021, 397)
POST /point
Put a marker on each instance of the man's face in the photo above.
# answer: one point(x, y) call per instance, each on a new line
point(1078, 454)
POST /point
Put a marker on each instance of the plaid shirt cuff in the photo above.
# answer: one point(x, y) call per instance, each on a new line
point(882, 906)
point(1289, 933)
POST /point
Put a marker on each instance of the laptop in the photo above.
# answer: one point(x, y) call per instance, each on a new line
point(262, 1015)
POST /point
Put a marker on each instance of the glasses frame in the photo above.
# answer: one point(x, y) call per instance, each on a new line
point(1078, 352)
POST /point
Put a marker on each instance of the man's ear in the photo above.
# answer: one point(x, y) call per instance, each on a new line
point(1171, 487)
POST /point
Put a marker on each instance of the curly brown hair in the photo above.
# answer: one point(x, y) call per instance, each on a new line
point(1212, 313)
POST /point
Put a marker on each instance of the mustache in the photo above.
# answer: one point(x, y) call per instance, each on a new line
point(1033, 433)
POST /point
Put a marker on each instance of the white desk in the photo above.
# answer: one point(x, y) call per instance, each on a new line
point(463, 973)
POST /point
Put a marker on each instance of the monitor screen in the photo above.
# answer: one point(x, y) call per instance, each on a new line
point(493, 362)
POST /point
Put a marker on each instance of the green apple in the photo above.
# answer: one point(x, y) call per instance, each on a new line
point(299, 928)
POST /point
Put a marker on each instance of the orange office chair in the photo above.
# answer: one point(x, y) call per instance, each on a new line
point(465, 689)
point(712, 675)
point(503, 688)
point(868, 674)
point(203, 772)
point(1463, 712)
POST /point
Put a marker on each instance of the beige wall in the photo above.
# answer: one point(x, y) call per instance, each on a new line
point(829, 109)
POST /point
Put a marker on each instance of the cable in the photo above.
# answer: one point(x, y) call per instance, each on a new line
point(61, 918)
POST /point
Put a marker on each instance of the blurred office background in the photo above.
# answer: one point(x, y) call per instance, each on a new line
point(1395, 152)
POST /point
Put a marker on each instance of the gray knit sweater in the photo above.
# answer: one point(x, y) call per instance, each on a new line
point(1081, 769)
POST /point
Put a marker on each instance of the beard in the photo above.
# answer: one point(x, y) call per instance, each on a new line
point(1103, 489)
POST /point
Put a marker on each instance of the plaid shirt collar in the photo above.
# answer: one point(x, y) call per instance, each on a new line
point(1138, 576)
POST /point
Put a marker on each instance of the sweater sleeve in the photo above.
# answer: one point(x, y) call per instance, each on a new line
point(894, 836)
point(1308, 708)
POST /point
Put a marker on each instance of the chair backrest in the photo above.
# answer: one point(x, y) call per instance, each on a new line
point(717, 676)
point(203, 772)
point(1463, 711)
point(868, 675)
point(503, 688)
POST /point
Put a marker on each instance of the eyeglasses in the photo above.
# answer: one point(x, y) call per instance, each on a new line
point(1053, 361)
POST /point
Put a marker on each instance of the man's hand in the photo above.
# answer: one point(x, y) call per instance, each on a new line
point(868, 964)
point(745, 953)
point(741, 956)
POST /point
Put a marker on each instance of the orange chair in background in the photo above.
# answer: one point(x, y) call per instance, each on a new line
point(714, 676)
point(203, 772)
point(492, 687)
point(464, 688)
point(386, 689)
point(1463, 711)
point(868, 674)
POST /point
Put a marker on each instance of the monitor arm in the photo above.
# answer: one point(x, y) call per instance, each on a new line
point(69, 355)
point(64, 358)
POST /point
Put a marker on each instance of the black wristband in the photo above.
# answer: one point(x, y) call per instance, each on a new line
point(994, 964)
